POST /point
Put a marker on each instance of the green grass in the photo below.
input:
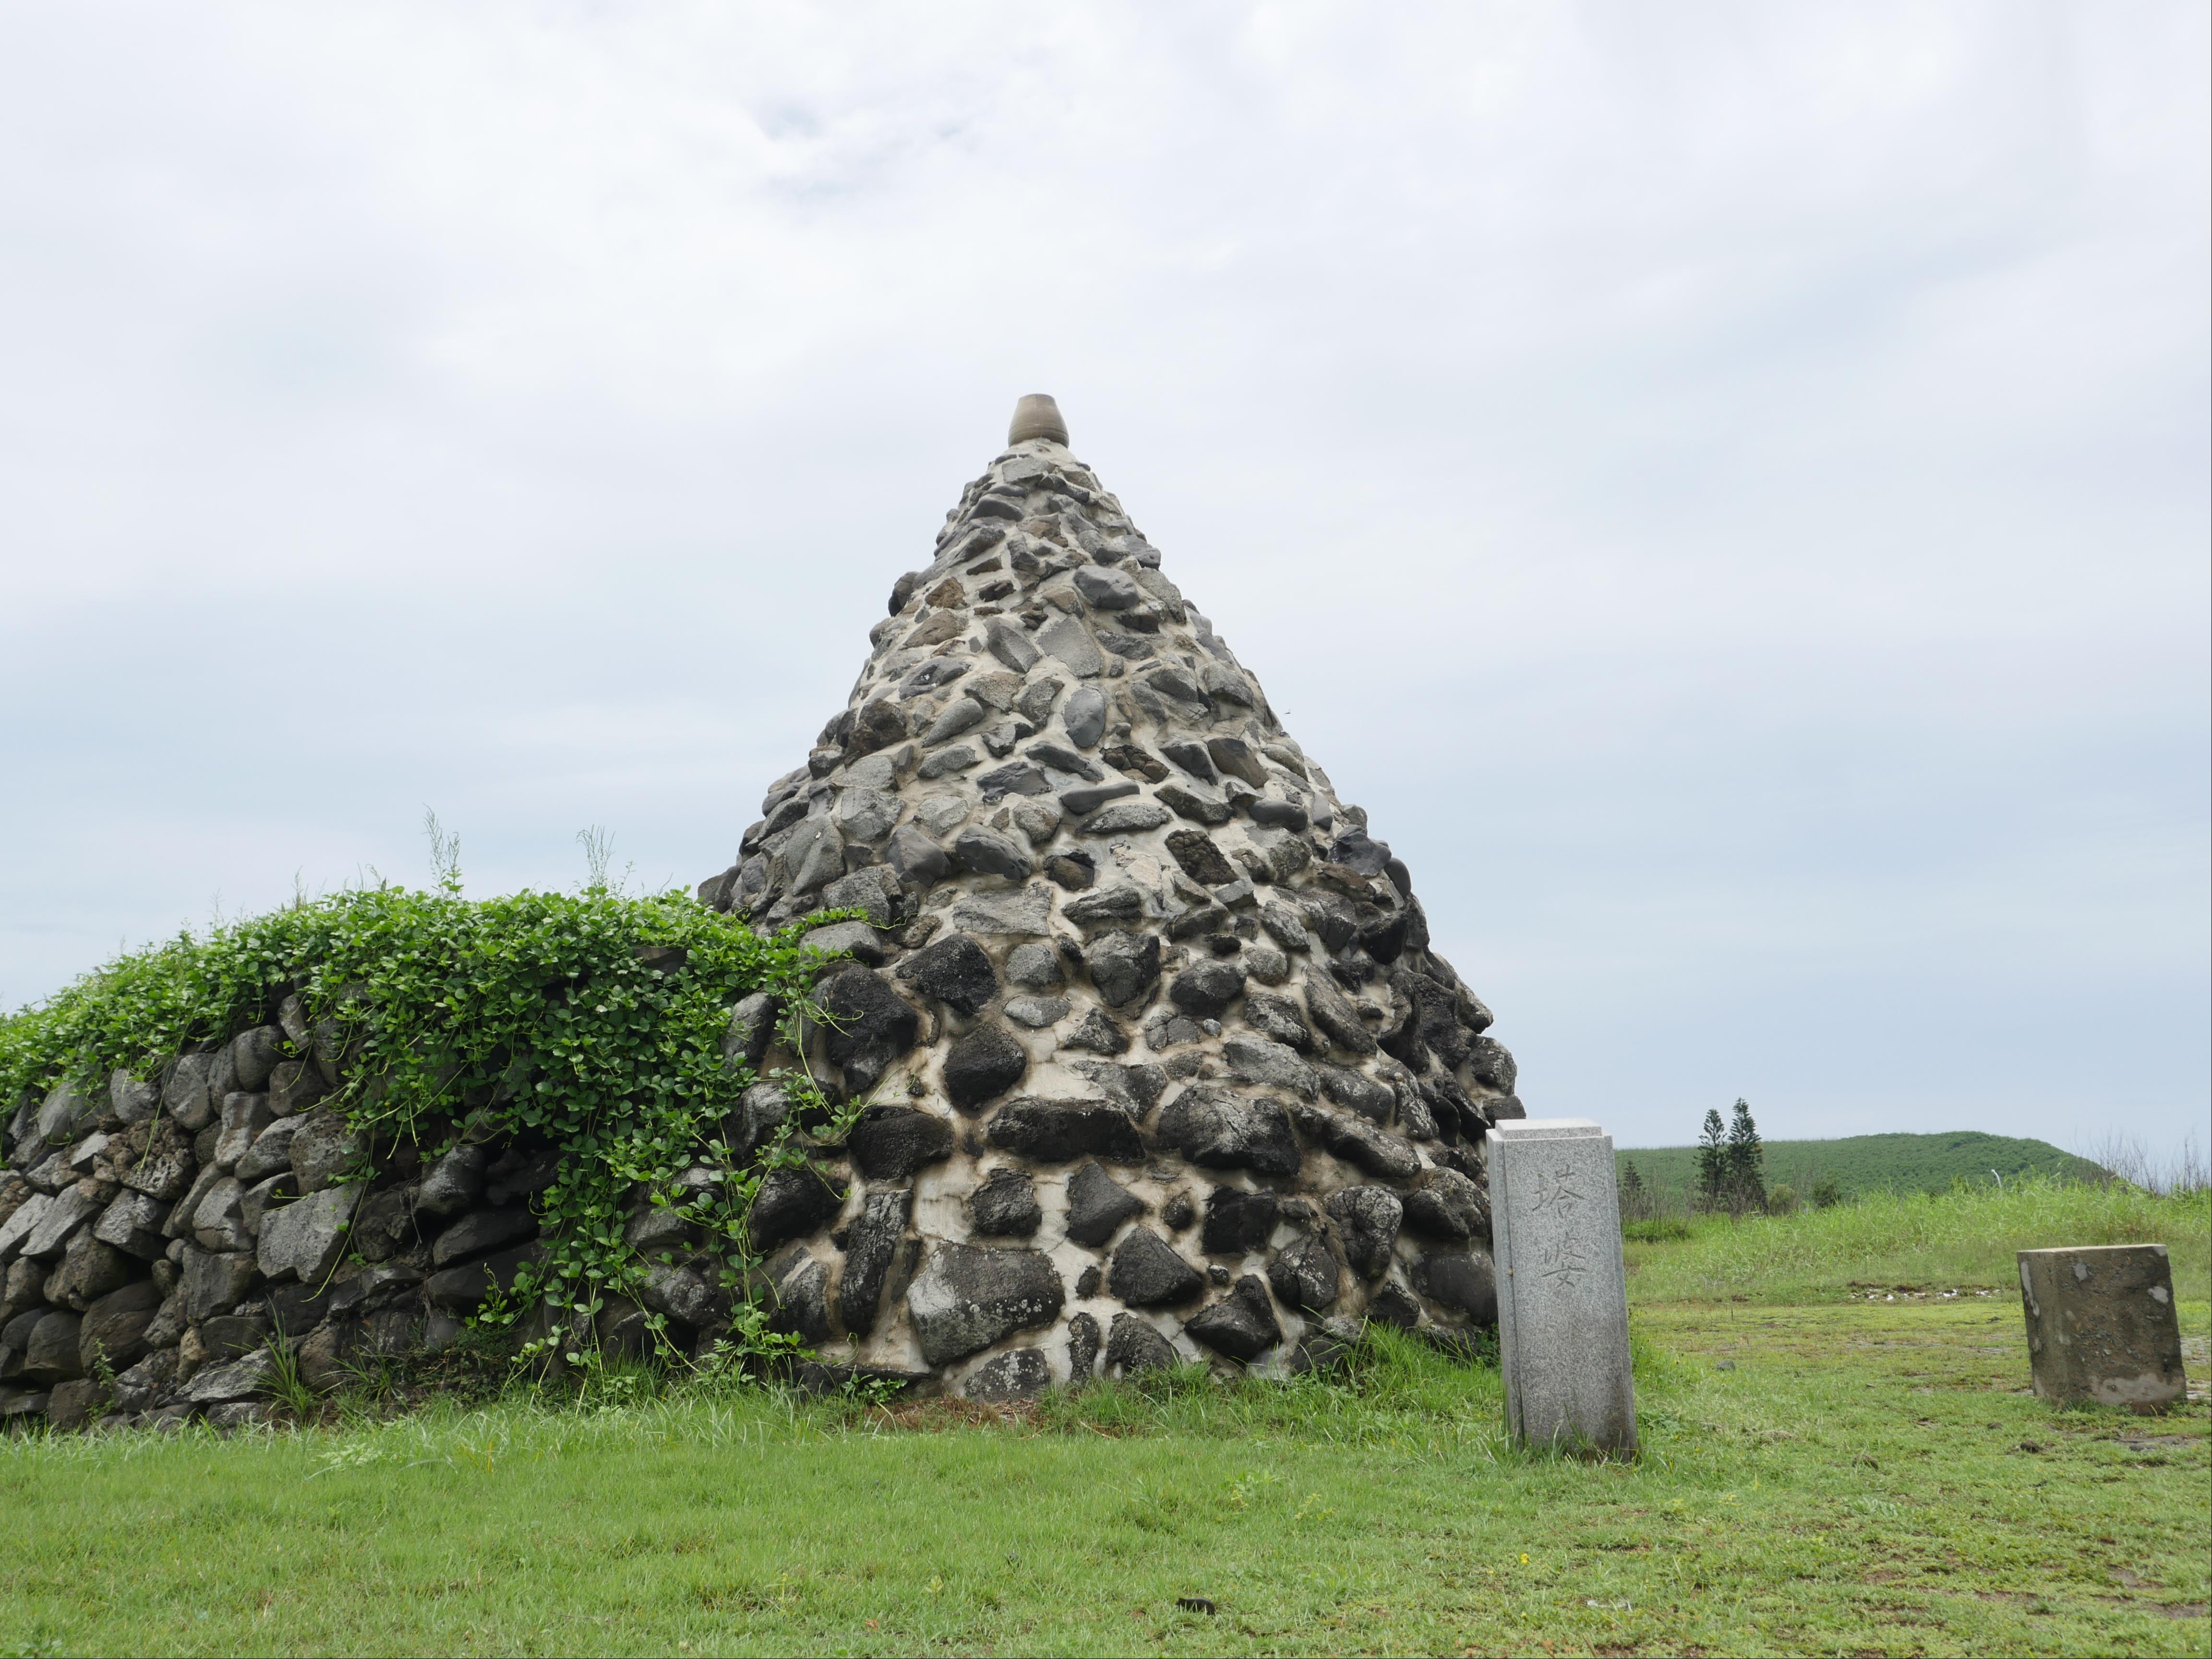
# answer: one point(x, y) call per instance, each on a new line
point(1895, 1241)
point(1834, 1475)
point(1865, 1164)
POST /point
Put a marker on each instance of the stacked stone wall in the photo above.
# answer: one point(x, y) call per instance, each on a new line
point(1151, 1056)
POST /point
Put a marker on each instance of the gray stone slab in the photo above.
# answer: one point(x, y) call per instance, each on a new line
point(2101, 1325)
point(1562, 1289)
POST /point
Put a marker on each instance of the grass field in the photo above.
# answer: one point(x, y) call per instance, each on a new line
point(1821, 1473)
point(1859, 1164)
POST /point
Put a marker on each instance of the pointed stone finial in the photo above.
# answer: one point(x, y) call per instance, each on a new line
point(1037, 417)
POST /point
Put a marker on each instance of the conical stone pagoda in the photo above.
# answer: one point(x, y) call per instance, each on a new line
point(1158, 1063)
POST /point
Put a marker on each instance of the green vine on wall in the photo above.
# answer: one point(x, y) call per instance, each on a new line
point(591, 1022)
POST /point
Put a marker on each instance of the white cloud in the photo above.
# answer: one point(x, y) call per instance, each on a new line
point(1724, 485)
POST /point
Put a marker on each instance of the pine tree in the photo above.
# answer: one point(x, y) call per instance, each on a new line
point(1712, 1163)
point(1745, 1161)
point(1635, 1201)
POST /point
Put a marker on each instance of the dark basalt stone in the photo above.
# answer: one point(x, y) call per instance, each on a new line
point(1305, 1275)
point(877, 725)
point(1061, 758)
point(1023, 1373)
point(890, 1142)
point(1191, 756)
point(114, 1329)
point(1489, 1064)
point(1071, 870)
point(870, 1249)
point(1393, 1304)
point(967, 1298)
point(1367, 1219)
point(1242, 1326)
point(1194, 804)
point(985, 853)
point(1447, 1205)
point(1061, 1131)
point(1202, 860)
point(1079, 803)
point(1371, 1099)
point(1237, 1222)
point(1358, 851)
point(1123, 966)
point(1145, 1271)
point(1205, 992)
point(1097, 1034)
point(1097, 1205)
point(1358, 1143)
point(916, 859)
point(1234, 758)
point(1277, 1018)
point(982, 1065)
point(1133, 1345)
point(1332, 1014)
point(801, 1286)
point(481, 1233)
point(1006, 1205)
point(1462, 1281)
point(867, 1025)
point(956, 970)
point(1124, 901)
point(1082, 1348)
point(790, 1204)
point(460, 1289)
point(1127, 759)
point(1218, 1130)
point(1385, 938)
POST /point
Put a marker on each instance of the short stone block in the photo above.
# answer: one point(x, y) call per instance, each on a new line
point(1562, 1288)
point(2101, 1325)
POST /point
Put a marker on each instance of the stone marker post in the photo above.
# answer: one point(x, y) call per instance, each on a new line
point(2101, 1325)
point(1561, 1291)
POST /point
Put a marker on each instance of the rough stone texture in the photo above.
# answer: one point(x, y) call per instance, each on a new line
point(304, 1240)
point(1145, 1272)
point(452, 1181)
point(1135, 1345)
point(1242, 1326)
point(983, 1065)
point(1219, 1130)
point(1097, 1205)
point(967, 1298)
point(1021, 1375)
point(2102, 1325)
point(1006, 1205)
point(1304, 1276)
point(1367, 1219)
point(1562, 1290)
point(868, 1026)
point(481, 1234)
point(1082, 1348)
point(1061, 1131)
point(790, 1204)
point(956, 970)
point(870, 1249)
point(1125, 957)
point(890, 1142)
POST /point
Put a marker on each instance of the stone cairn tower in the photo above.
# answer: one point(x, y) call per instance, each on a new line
point(1159, 1063)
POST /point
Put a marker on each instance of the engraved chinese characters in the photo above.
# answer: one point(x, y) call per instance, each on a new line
point(1562, 1301)
point(1563, 1261)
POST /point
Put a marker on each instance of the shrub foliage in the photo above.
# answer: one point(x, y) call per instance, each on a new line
point(591, 1021)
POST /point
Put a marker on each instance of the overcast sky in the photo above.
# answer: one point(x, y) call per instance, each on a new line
point(1724, 486)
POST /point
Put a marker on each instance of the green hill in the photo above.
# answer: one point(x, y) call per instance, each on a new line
point(1898, 1163)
